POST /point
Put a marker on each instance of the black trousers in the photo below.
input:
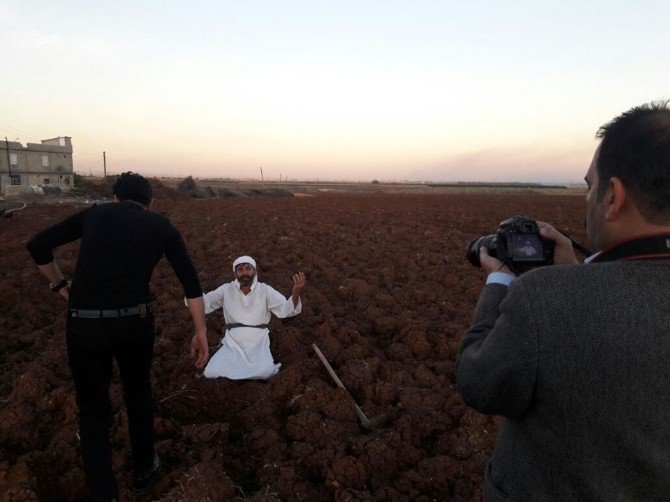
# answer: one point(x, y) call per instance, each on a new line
point(92, 344)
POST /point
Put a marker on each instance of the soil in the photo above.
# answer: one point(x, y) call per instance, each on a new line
point(389, 298)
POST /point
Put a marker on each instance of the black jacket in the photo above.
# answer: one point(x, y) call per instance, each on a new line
point(121, 243)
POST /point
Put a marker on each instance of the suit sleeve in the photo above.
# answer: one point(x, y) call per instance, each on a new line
point(498, 356)
point(41, 246)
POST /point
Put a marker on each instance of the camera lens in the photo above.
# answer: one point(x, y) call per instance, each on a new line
point(473, 248)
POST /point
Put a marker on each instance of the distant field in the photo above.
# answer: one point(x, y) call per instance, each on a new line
point(318, 187)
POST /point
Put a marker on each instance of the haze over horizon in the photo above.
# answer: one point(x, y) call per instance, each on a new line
point(350, 90)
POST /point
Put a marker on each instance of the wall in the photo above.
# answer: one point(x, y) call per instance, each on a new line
point(30, 164)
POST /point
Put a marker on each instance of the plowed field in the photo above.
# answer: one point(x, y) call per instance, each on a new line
point(389, 297)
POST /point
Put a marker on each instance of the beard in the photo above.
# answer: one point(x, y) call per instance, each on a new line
point(246, 280)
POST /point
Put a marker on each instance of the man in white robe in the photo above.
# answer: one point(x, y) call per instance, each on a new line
point(247, 305)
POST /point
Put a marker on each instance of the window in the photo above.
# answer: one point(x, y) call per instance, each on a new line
point(14, 179)
point(14, 159)
point(45, 161)
point(46, 181)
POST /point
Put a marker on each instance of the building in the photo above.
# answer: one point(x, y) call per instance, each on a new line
point(46, 163)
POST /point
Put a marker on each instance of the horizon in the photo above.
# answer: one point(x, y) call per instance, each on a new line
point(351, 91)
point(576, 183)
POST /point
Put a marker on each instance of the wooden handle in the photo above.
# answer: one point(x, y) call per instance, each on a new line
point(364, 420)
point(328, 367)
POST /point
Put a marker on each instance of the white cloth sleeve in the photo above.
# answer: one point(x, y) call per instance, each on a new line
point(280, 306)
point(213, 300)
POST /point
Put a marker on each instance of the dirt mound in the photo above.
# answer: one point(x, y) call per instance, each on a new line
point(390, 295)
point(267, 192)
point(85, 187)
point(103, 189)
point(162, 192)
point(189, 188)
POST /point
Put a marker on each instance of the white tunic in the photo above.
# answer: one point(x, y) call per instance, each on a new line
point(245, 352)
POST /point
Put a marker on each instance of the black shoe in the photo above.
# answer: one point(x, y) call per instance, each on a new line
point(144, 482)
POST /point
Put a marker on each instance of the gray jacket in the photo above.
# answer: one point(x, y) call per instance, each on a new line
point(577, 358)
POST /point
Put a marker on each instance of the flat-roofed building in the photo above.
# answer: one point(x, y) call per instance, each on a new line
point(45, 163)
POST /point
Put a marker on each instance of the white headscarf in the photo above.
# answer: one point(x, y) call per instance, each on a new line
point(244, 259)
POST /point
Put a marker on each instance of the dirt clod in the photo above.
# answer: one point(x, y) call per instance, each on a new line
point(389, 297)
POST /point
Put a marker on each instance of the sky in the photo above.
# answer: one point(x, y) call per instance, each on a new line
point(330, 90)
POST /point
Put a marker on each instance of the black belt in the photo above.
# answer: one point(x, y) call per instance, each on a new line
point(240, 325)
point(139, 310)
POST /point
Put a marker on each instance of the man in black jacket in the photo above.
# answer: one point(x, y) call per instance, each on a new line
point(109, 317)
point(576, 356)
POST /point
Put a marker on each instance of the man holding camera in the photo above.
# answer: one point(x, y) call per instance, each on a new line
point(576, 357)
point(109, 317)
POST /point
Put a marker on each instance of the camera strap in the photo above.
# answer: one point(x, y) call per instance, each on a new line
point(653, 247)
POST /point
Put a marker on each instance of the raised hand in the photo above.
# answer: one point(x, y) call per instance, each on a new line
point(299, 283)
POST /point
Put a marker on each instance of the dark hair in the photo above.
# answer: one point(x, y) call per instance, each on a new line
point(635, 148)
point(133, 186)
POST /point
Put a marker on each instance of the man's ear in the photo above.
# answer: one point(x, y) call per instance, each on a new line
point(616, 199)
point(151, 203)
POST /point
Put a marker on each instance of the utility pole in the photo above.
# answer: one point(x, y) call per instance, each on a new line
point(104, 164)
point(262, 179)
point(9, 162)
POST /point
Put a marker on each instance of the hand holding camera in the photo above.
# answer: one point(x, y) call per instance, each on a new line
point(522, 243)
point(564, 252)
point(490, 264)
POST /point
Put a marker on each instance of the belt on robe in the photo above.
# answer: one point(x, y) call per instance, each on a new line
point(240, 325)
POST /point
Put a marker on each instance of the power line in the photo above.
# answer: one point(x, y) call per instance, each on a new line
point(77, 149)
point(18, 130)
point(12, 132)
point(23, 131)
point(89, 168)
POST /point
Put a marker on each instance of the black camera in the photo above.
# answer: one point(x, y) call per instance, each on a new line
point(517, 244)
